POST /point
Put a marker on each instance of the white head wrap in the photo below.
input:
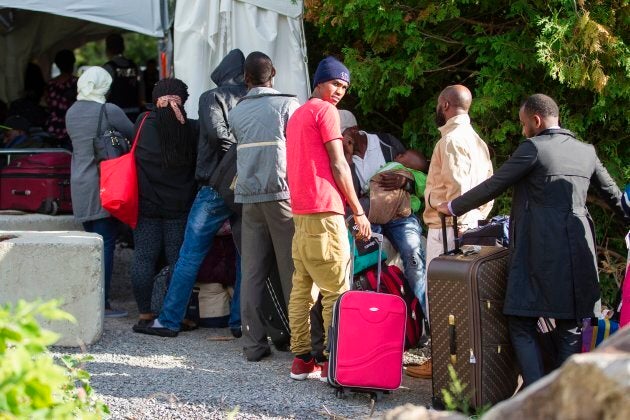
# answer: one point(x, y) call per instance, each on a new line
point(93, 85)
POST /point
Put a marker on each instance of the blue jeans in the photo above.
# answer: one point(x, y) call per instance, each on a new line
point(404, 234)
point(206, 216)
point(108, 229)
point(235, 305)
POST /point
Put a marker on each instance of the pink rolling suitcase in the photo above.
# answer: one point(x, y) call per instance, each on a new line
point(367, 340)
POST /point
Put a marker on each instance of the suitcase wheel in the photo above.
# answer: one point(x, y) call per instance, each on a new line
point(340, 393)
point(49, 206)
point(374, 396)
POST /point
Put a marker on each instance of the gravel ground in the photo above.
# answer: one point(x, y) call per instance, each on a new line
point(203, 374)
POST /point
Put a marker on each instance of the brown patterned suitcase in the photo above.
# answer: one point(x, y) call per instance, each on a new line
point(466, 290)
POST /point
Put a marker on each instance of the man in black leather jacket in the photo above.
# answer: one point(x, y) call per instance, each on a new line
point(209, 209)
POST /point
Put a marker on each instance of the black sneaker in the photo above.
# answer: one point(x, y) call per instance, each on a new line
point(236, 332)
point(160, 331)
point(142, 323)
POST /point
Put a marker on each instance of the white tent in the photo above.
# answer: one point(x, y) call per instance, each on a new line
point(205, 31)
point(37, 29)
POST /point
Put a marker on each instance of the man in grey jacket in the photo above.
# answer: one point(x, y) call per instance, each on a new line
point(209, 210)
point(258, 122)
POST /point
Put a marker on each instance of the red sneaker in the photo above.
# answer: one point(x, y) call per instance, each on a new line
point(324, 375)
point(301, 369)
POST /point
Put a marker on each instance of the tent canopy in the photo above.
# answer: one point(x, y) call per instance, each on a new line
point(37, 29)
point(205, 31)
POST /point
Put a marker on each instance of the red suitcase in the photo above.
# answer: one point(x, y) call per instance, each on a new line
point(466, 290)
point(38, 182)
point(367, 340)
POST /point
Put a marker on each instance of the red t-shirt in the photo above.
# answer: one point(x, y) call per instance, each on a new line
point(311, 182)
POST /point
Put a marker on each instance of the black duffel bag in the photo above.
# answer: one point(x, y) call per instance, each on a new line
point(493, 232)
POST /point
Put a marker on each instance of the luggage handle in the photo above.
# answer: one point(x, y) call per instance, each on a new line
point(21, 192)
point(379, 241)
point(457, 250)
point(452, 339)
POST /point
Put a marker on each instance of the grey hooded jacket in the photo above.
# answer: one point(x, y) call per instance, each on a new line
point(214, 133)
point(259, 122)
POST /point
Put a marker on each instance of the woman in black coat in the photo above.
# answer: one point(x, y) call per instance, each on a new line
point(165, 159)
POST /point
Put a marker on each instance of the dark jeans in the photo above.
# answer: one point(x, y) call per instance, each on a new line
point(149, 237)
point(524, 336)
point(108, 229)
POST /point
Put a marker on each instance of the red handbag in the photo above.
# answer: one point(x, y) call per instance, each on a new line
point(119, 185)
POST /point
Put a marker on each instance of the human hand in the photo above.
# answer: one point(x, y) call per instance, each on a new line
point(364, 227)
point(390, 182)
point(443, 208)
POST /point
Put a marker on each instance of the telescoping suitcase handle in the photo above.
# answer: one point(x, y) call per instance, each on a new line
point(445, 236)
point(379, 240)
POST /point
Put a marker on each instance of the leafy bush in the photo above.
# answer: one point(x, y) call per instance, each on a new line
point(403, 53)
point(32, 384)
point(457, 398)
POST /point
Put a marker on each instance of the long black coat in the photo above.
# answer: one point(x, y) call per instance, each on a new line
point(553, 265)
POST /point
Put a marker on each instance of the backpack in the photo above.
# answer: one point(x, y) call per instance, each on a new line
point(393, 282)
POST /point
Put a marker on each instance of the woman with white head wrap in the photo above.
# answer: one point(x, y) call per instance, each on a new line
point(81, 123)
point(93, 85)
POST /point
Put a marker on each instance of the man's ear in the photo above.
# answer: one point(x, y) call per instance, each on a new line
point(537, 120)
point(273, 72)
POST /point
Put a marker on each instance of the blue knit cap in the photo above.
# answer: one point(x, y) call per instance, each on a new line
point(330, 68)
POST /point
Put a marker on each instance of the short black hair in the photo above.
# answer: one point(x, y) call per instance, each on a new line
point(65, 60)
point(115, 44)
point(258, 67)
point(540, 104)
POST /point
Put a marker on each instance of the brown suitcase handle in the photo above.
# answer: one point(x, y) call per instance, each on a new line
point(445, 236)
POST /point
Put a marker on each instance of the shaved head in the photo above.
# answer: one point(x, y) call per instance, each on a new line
point(458, 96)
point(453, 100)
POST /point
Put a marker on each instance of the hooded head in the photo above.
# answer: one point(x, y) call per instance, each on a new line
point(346, 120)
point(93, 85)
point(230, 70)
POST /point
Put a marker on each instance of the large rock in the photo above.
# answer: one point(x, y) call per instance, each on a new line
point(414, 412)
point(57, 265)
point(588, 386)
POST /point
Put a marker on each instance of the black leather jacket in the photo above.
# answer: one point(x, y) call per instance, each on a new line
point(215, 137)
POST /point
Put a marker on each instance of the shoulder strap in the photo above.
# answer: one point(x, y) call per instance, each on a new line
point(137, 136)
point(100, 120)
point(109, 125)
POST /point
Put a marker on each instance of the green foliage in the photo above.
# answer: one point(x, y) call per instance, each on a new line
point(32, 385)
point(138, 47)
point(403, 53)
point(457, 398)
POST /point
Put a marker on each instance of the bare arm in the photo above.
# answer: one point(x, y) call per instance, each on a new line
point(343, 178)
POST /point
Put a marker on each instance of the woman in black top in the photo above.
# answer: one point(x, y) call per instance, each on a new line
point(165, 158)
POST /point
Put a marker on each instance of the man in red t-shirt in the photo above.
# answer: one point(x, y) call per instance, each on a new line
point(320, 182)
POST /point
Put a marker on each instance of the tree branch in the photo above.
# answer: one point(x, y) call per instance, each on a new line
point(490, 26)
point(447, 67)
point(441, 38)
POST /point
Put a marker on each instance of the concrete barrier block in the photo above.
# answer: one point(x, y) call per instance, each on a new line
point(15, 220)
point(57, 265)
